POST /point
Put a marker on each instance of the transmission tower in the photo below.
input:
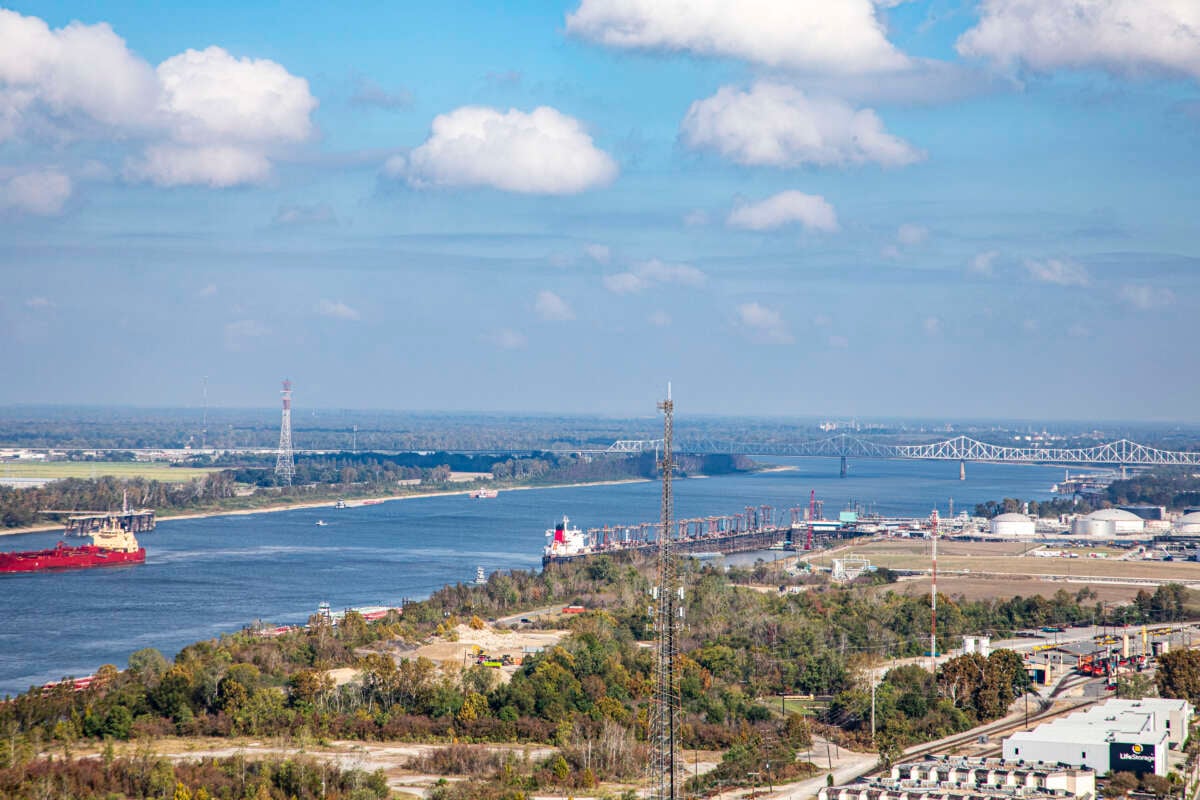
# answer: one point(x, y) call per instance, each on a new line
point(285, 467)
point(667, 610)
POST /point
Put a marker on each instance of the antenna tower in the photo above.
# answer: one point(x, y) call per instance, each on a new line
point(667, 611)
point(285, 467)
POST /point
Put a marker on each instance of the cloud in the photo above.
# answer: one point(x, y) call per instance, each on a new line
point(811, 211)
point(811, 35)
point(840, 342)
point(39, 303)
point(1029, 326)
point(542, 152)
point(599, 253)
point(507, 339)
point(696, 218)
point(780, 126)
point(911, 235)
point(983, 263)
point(1079, 331)
point(42, 193)
point(206, 117)
point(369, 94)
point(337, 310)
point(645, 274)
point(822, 320)
point(1145, 298)
point(238, 335)
point(932, 326)
point(1120, 36)
point(1058, 271)
point(550, 306)
point(208, 291)
point(625, 283)
point(660, 319)
point(319, 214)
point(764, 324)
point(218, 166)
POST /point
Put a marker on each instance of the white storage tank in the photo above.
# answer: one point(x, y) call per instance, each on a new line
point(1011, 525)
point(1108, 523)
point(1188, 524)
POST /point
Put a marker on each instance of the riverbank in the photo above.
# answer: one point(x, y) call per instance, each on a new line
point(331, 503)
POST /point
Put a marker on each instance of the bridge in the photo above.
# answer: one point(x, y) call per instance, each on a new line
point(1120, 453)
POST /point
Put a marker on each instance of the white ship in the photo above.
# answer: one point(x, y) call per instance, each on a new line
point(565, 542)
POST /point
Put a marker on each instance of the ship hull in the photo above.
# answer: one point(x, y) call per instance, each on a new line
point(64, 558)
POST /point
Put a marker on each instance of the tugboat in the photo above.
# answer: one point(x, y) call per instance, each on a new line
point(484, 494)
point(111, 546)
point(340, 503)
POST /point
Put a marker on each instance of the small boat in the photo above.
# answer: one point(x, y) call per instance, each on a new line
point(321, 523)
point(484, 494)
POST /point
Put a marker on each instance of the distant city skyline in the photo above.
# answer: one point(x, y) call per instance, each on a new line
point(929, 209)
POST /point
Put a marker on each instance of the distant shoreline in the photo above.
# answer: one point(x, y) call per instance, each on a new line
point(355, 503)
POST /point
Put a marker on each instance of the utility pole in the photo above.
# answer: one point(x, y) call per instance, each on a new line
point(668, 608)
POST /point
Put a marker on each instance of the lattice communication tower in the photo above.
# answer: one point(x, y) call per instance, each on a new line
point(667, 611)
point(285, 466)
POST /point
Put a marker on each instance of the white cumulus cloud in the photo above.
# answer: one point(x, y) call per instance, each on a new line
point(772, 124)
point(786, 208)
point(764, 324)
point(660, 319)
point(239, 335)
point(217, 166)
point(337, 310)
point(550, 306)
point(911, 235)
point(540, 152)
point(932, 326)
point(205, 116)
point(599, 253)
point(653, 272)
point(43, 193)
point(845, 36)
point(983, 263)
point(1058, 271)
point(1145, 298)
point(1121, 36)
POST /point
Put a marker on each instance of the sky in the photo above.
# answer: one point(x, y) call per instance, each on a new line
point(932, 208)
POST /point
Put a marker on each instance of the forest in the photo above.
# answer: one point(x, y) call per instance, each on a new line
point(590, 695)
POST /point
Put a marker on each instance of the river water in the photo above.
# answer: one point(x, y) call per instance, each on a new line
point(203, 577)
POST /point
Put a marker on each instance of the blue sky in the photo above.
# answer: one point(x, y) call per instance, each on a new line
point(942, 209)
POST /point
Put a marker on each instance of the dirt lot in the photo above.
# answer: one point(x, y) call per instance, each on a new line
point(1005, 558)
point(489, 641)
point(980, 588)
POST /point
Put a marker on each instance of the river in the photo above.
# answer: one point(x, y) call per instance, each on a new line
point(206, 576)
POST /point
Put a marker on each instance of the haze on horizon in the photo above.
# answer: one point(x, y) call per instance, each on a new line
point(924, 209)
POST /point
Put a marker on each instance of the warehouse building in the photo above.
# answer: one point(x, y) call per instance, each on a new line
point(1116, 736)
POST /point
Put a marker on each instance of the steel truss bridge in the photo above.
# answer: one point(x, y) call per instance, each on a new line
point(961, 448)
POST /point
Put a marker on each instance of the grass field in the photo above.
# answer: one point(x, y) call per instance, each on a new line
point(55, 470)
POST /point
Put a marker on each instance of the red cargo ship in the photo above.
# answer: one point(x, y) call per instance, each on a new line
point(111, 546)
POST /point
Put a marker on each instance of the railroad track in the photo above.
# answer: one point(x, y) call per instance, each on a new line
point(1046, 711)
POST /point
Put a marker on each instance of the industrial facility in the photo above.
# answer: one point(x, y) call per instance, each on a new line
point(969, 779)
point(1116, 736)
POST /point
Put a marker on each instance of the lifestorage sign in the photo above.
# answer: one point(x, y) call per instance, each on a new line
point(1124, 757)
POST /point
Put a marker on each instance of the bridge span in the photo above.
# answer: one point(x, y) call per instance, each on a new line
point(1120, 453)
